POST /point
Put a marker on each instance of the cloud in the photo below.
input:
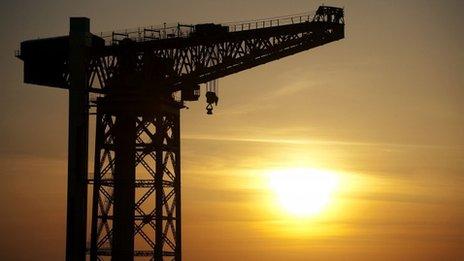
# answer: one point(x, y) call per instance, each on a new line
point(306, 141)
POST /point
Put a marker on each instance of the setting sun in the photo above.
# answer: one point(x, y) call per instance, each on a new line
point(303, 192)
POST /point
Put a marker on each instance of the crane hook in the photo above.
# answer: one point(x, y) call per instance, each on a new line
point(211, 96)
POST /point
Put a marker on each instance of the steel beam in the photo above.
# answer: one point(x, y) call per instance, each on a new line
point(77, 139)
point(124, 188)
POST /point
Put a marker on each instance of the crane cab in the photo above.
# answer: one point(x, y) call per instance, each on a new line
point(190, 92)
point(209, 29)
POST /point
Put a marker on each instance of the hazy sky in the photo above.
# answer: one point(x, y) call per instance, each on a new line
point(383, 108)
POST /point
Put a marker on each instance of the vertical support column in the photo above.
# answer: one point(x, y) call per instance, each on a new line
point(126, 223)
point(167, 186)
point(159, 196)
point(177, 187)
point(99, 141)
point(79, 38)
point(124, 188)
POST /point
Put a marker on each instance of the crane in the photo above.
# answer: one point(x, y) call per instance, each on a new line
point(135, 83)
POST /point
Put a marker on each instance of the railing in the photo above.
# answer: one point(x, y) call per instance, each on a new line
point(269, 22)
point(148, 33)
point(165, 31)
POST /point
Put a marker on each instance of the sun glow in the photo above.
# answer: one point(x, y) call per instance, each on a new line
point(303, 192)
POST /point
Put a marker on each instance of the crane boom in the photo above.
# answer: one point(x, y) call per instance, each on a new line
point(195, 58)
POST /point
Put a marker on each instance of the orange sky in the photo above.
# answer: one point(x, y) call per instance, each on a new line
point(382, 107)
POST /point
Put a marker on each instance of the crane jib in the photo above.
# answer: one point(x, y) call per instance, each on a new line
point(196, 58)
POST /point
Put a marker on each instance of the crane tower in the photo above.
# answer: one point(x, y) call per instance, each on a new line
point(136, 82)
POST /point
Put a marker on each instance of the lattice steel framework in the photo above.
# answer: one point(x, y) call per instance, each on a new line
point(155, 184)
point(138, 86)
point(196, 61)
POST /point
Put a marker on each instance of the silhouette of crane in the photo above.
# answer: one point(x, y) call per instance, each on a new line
point(136, 82)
